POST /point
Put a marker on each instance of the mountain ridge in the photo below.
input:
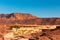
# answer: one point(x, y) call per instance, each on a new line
point(20, 18)
point(8, 20)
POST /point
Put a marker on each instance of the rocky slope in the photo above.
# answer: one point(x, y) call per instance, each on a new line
point(7, 20)
point(21, 18)
point(16, 16)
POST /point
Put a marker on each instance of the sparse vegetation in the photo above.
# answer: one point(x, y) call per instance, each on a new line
point(11, 27)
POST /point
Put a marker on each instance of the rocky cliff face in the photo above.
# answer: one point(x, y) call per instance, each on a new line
point(21, 18)
point(17, 16)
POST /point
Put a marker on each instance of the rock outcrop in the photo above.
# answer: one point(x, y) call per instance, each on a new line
point(17, 16)
point(7, 20)
point(21, 18)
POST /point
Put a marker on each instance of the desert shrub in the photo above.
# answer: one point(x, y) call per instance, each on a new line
point(11, 27)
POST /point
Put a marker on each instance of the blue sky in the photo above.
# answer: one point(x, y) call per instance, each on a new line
point(40, 8)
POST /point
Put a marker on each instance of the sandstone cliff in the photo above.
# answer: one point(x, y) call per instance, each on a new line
point(6, 20)
point(21, 18)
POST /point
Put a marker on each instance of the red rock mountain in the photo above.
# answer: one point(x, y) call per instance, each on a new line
point(17, 16)
point(22, 18)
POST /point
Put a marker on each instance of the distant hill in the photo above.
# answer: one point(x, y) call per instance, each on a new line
point(8, 20)
point(23, 18)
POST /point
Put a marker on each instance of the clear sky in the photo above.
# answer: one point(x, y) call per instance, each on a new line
point(40, 8)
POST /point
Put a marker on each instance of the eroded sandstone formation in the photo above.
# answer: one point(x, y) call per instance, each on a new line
point(22, 18)
point(7, 20)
